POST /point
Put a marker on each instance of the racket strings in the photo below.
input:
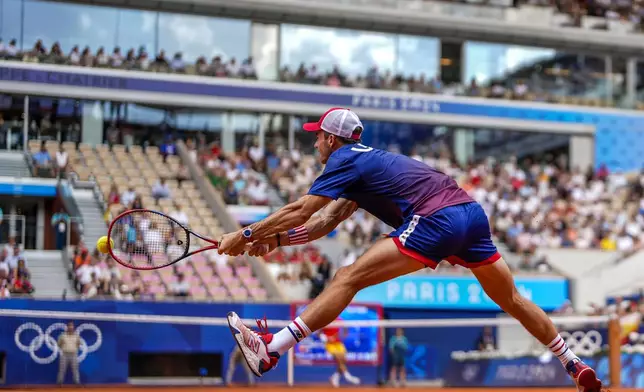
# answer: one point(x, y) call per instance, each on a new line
point(148, 239)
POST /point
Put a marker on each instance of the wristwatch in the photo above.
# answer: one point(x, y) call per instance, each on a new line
point(247, 233)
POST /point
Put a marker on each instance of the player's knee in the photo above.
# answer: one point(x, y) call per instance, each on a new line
point(511, 300)
point(345, 276)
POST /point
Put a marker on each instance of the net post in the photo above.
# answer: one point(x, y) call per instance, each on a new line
point(614, 352)
point(290, 367)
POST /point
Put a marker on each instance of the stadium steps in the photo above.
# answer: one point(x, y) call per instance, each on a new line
point(48, 273)
point(91, 212)
point(13, 164)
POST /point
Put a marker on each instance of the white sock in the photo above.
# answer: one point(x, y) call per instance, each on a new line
point(560, 349)
point(347, 375)
point(289, 336)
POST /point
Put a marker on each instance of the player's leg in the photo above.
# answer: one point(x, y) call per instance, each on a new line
point(496, 280)
point(382, 262)
point(481, 256)
point(335, 377)
point(393, 374)
point(402, 374)
point(344, 370)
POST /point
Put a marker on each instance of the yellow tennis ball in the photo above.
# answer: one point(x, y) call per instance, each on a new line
point(102, 245)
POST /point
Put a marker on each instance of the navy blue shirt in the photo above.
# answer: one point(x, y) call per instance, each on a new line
point(392, 187)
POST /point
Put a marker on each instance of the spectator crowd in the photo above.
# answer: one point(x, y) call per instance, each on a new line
point(559, 83)
point(15, 278)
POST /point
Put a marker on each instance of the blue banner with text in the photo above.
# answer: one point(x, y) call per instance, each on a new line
point(459, 293)
point(533, 372)
point(618, 134)
point(113, 349)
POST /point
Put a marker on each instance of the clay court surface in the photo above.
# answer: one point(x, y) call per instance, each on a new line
point(311, 388)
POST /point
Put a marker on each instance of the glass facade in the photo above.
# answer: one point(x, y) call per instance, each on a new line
point(27, 21)
point(486, 61)
point(355, 52)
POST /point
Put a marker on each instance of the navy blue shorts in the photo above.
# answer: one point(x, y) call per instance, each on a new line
point(459, 234)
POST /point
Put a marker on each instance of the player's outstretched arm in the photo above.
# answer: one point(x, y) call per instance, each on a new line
point(316, 227)
point(291, 215)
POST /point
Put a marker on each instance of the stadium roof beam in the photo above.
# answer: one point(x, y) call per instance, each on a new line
point(414, 22)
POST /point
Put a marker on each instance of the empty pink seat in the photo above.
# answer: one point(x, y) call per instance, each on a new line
point(200, 259)
point(244, 271)
point(224, 271)
point(197, 291)
point(219, 293)
point(230, 282)
point(250, 281)
point(258, 293)
point(239, 293)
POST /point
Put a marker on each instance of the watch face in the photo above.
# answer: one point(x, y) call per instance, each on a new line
point(247, 233)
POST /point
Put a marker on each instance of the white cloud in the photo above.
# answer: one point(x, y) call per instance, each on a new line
point(352, 51)
point(85, 20)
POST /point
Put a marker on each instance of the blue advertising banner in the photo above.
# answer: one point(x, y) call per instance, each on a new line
point(363, 345)
point(532, 372)
point(459, 293)
point(20, 189)
point(619, 134)
point(31, 356)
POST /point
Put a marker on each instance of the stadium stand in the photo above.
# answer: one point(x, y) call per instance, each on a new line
point(554, 81)
point(137, 178)
point(131, 160)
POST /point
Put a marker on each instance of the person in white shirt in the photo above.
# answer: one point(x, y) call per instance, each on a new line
point(179, 215)
point(180, 288)
point(74, 56)
point(128, 196)
point(16, 256)
point(257, 192)
point(85, 272)
point(69, 343)
point(154, 240)
point(177, 63)
point(12, 49)
point(160, 190)
point(232, 68)
point(61, 161)
point(117, 57)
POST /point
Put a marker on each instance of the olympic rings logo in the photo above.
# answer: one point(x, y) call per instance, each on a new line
point(48, 340)
point(583, 343)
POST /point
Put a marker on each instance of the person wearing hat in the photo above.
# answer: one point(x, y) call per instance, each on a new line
point(434, 220)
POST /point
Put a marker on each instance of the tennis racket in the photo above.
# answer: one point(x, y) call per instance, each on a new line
point(147, 240)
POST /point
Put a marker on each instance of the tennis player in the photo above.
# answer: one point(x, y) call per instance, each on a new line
point(434, 218)
point(332, 337)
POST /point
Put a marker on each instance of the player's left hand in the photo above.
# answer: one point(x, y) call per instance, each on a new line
point(232, 244)
point(262, 247)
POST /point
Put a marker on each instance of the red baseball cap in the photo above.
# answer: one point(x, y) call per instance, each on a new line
point(338, 121)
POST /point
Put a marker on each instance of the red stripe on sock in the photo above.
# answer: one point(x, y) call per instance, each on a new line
point(559, 346)
point(555, 343)
point(298, 327)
